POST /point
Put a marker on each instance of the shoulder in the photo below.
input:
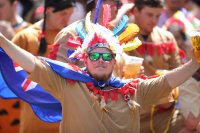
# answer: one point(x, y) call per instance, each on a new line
point(164, 33)
point(66, 32)
point(30, 33)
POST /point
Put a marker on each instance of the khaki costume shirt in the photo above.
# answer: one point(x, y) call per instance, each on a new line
point(81, 113)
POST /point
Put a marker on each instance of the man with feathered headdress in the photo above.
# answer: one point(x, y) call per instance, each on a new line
point(92, 99)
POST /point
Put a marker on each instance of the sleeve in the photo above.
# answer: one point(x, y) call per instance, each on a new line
point(20, 40)
point(154, 91)
point(47, 79)
point(175, 60)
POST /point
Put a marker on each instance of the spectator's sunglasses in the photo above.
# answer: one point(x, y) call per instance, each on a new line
point(105, 56)
point(117, 5)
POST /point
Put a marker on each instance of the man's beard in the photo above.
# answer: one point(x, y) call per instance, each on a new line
point(102, 77)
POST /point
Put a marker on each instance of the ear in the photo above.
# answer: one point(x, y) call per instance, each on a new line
point(50, 10)
point(114, 62)
point(136, 11)
point(15, 4)
point(85, 60)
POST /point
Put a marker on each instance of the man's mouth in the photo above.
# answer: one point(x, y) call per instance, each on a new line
point(100, 67)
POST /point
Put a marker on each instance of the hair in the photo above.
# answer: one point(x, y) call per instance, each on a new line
point(150, 3)
point(197, 2)
point(59, 5)
point(180, 29)
point(90, 5)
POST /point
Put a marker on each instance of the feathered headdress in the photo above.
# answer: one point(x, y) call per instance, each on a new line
point(174, 20)
point(92, 35)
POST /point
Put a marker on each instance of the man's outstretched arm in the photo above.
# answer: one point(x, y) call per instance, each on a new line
point(179, 75)
point(20, 56)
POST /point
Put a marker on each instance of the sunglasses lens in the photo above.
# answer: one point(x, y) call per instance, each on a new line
point(119, 3)
point(107, 56)
point(94, 56)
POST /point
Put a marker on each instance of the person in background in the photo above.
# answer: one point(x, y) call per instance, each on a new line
point(174, 6)
point(101, 102)
point(8, 13)
point(38, 14)
point(192, 7)
point(160, 51)
point(36, 40)
point(78, 14)
point(190, 114)
point(178, 29)
point(60, 49)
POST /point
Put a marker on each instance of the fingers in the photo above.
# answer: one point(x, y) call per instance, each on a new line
point(141, 70)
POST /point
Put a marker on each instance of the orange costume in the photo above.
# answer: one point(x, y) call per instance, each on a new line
point(28, 39)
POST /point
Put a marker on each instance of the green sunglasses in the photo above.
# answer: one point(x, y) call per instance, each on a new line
point(105, 56)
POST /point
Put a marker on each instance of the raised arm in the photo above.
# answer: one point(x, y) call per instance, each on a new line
point(20, 56)
point(179, 75)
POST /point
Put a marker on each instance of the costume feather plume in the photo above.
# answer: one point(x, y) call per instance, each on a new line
point(131, 45)
point(74, 42)
point(130, 32)
point(121, 25)
point(106, 15)
point(88, 23)
point(97, 11)
point(80, 30)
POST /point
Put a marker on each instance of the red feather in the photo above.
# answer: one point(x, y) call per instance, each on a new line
point(106, 15)
point(74, 42)
point(97, 39)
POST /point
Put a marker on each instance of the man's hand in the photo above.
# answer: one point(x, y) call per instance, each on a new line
point(6, 30)
point(23, 58)
point(141, 71)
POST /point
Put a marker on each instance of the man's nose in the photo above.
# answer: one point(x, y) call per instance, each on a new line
point(101, 60)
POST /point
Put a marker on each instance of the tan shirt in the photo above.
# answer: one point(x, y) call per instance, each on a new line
point(80, 113)
point(29, 39)
point(159, 35)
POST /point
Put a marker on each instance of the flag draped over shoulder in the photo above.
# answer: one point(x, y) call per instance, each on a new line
point(14, 85)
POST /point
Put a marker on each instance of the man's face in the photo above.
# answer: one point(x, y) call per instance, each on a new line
point(114, 5)
point(179, 38)
point(174, 4)
point(100, 70)
point(59, 20)
point(7, 10)
point(147, 18)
